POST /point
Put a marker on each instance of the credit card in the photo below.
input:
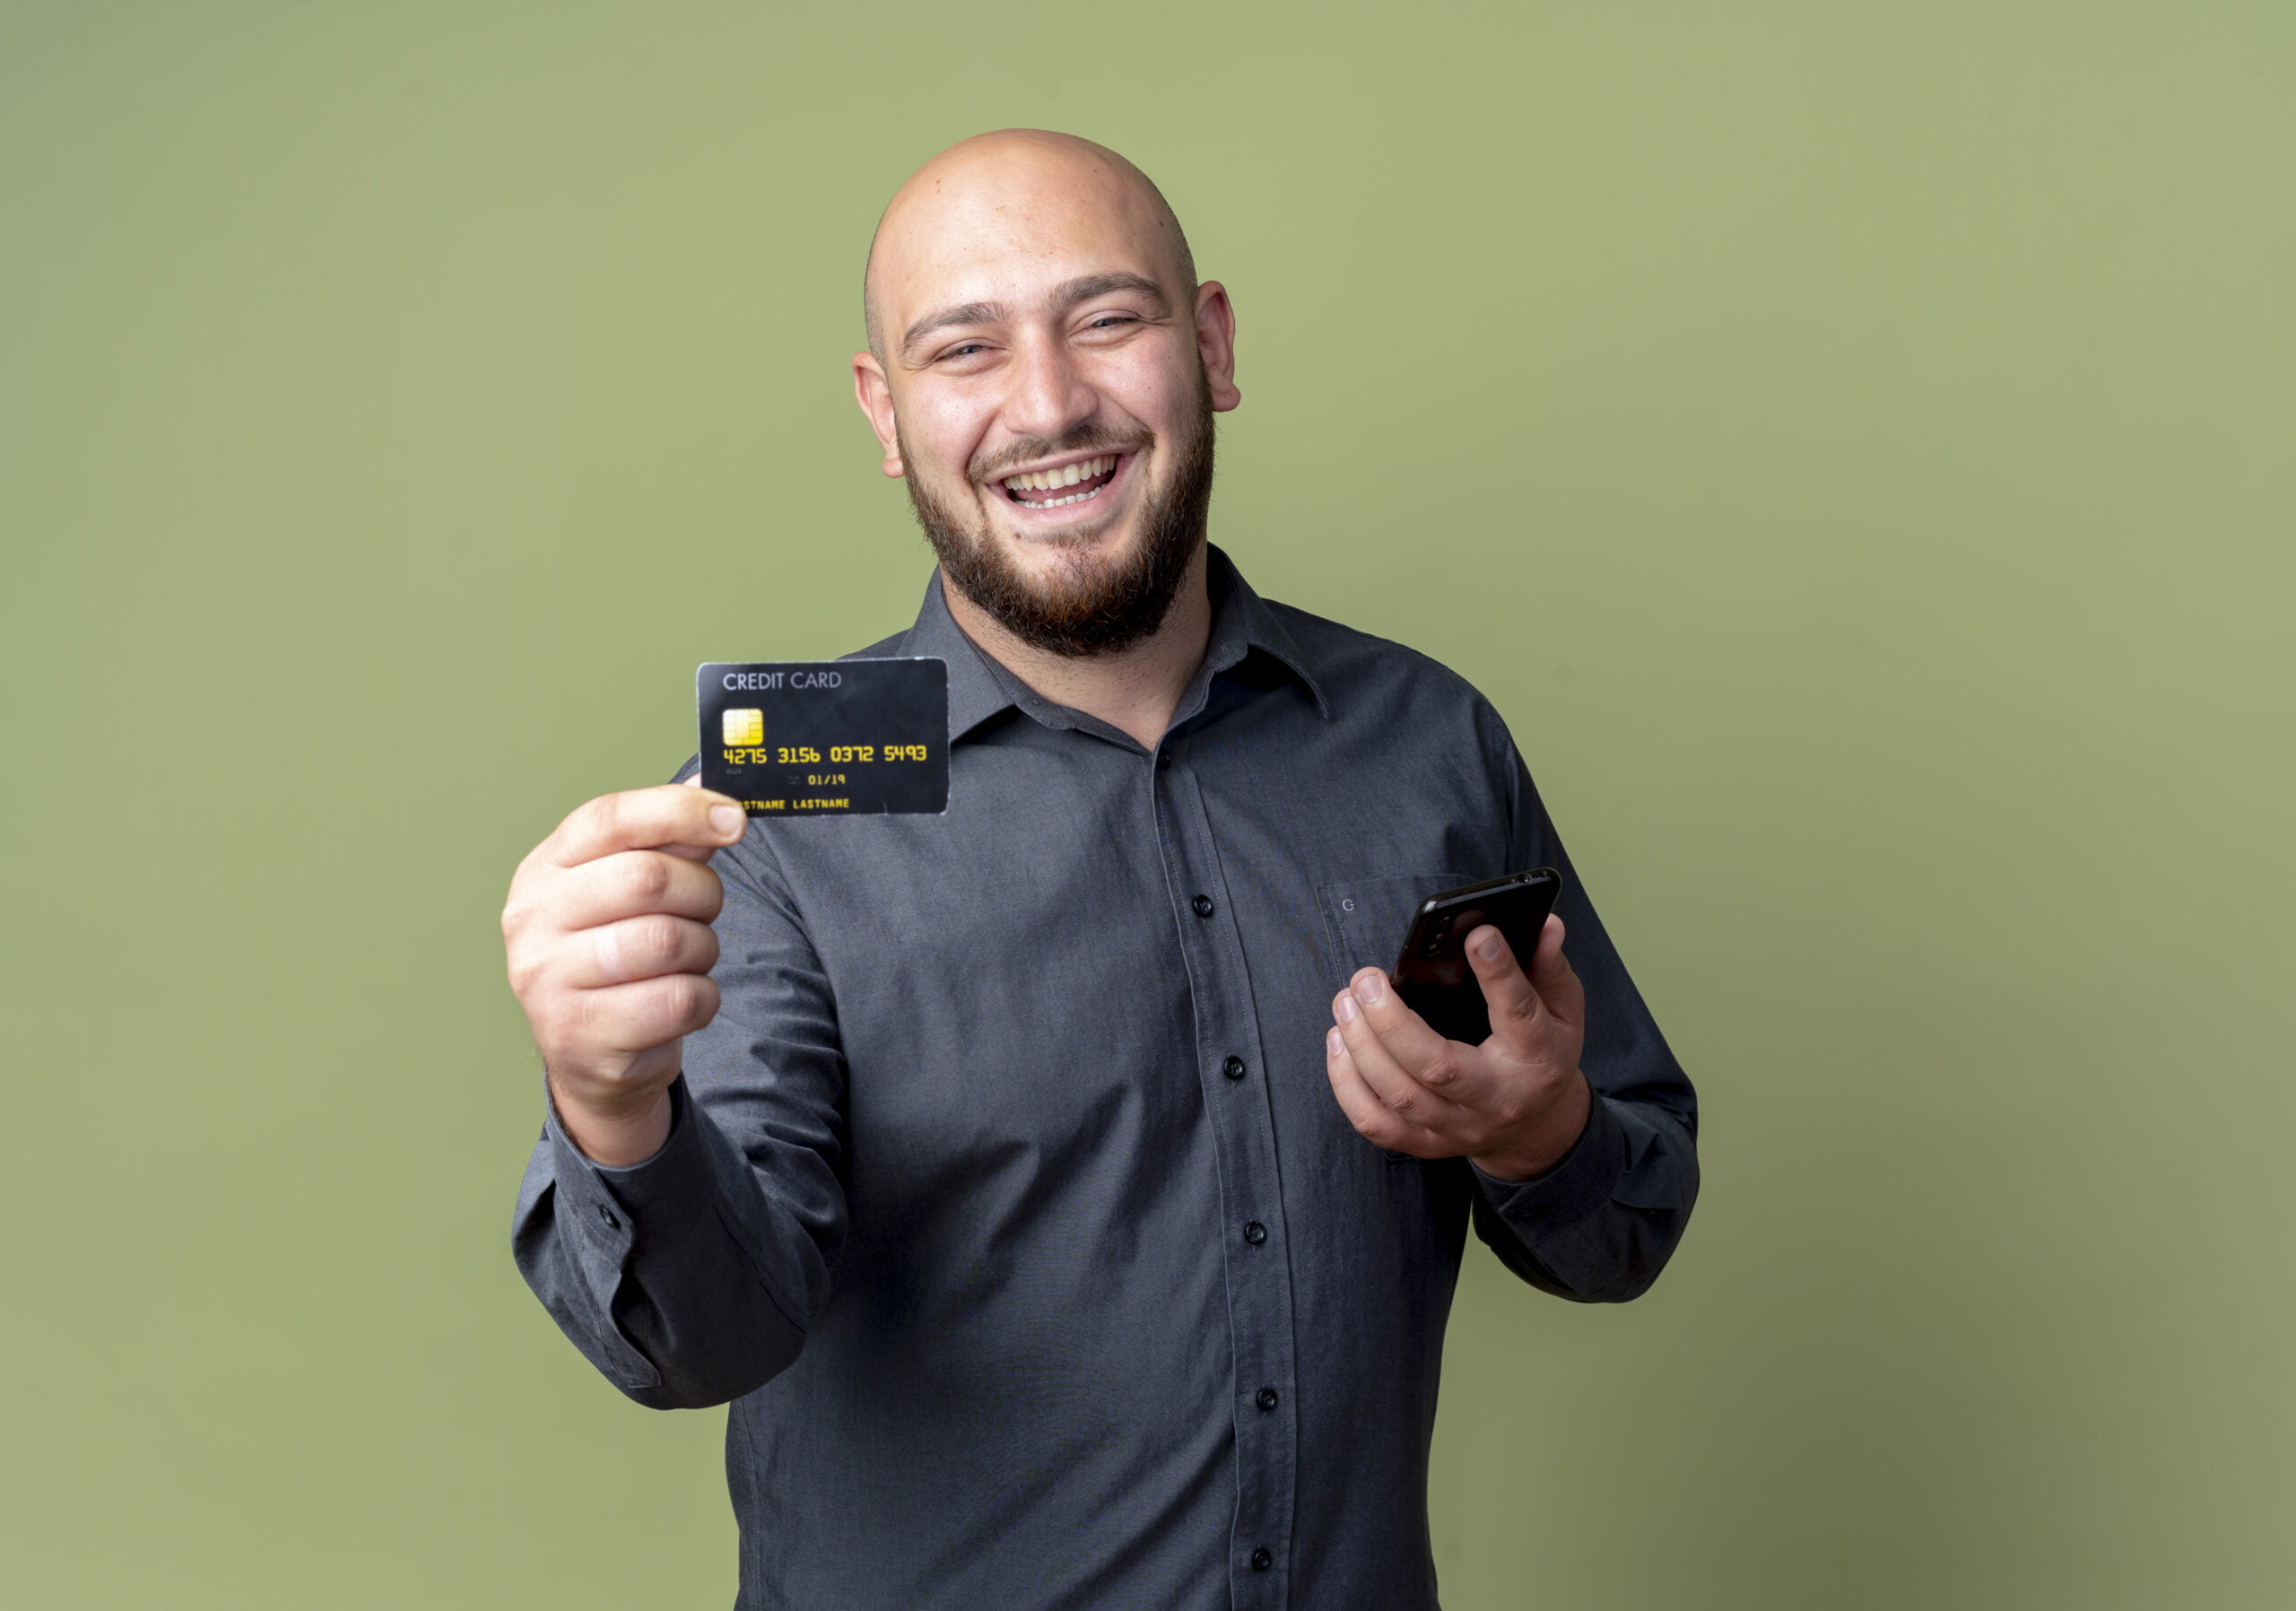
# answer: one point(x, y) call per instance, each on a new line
point(826, 737)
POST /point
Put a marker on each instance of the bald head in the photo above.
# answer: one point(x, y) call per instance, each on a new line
point(1010, 191)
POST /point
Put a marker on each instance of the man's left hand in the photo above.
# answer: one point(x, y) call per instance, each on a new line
point(1514, 1104)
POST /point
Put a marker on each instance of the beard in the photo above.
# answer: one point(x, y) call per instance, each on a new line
point(1094, 605)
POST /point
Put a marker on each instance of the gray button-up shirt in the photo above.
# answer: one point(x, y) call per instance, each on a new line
point(1007, 1199)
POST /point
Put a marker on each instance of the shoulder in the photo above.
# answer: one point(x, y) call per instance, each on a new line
point(883, 648)
point(1360, 669)
point(1345, 653)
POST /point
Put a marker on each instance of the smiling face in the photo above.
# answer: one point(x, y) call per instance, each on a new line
point(1044, 372)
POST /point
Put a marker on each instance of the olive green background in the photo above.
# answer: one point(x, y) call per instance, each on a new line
point(1851, 444)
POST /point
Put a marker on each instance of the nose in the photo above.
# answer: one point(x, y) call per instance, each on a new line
point(1050, 395)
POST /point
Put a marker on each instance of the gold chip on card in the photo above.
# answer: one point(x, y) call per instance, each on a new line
point(743, 728)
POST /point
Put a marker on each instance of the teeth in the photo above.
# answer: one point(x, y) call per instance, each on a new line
point(1072, 498)
point(1067, 475)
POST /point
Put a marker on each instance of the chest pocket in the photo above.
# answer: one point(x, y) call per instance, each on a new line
point(1365, 918)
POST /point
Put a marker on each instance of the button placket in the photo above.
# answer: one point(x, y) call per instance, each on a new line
point(1257, 1267)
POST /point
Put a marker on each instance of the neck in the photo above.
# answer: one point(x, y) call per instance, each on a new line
point(1135, 690)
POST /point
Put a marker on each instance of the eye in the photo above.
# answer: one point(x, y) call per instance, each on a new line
point(1108, 321)
point(965, 355)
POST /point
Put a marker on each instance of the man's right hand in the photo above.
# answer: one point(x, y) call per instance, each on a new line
point(607, 928)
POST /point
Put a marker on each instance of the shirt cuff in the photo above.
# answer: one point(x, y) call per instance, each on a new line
point(619, 1211)
point(1580, 1182)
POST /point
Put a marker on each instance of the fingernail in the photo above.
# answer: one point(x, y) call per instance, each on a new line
point(727, 820)
point(1372, 988)
point(1487, 947)
point(1331, 1043)
point(1346, 1008)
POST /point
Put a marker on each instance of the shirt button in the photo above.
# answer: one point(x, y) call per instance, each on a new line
point(1203, 907)
point(1255, 1233)
point(1233, 1068)
point(606, 1214)
point(1266, 1399)
point(1262, 1560)
point(1164, 761)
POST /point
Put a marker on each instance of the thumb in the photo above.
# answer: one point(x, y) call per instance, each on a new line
point(1554, 980)
point(1515, 1006)
point(690, 852)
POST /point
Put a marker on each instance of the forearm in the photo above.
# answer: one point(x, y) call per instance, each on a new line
point(674, 1276)
point(1599, 1226)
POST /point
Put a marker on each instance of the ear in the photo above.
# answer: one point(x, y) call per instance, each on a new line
point(874, 394)
point(1215, 344)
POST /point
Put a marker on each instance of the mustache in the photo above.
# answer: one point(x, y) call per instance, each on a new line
point(1088, 439)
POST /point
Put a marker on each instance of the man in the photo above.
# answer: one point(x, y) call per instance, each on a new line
point(984, 1161)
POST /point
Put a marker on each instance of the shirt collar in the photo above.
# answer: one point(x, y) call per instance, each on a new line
point(980, 688)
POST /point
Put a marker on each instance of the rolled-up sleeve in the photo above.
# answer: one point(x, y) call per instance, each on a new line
point(1600, 1225)
point(690, 1278)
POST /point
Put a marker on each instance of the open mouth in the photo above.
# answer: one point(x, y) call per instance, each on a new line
point(1063, 484)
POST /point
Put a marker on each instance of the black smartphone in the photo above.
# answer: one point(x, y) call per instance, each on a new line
point(1433, 976)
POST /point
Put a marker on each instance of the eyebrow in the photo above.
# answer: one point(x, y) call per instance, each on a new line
point(1065, 296)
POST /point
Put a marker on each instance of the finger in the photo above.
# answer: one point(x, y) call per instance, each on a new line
point(1554, 980)
point(641, 819)
point(633, 884)
point(645, 1013)
point(1373, 1120)
point(644, 947)
point(689, 852)
point(1507, 992)
point(1407, 1098)
point(1442, 1066)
